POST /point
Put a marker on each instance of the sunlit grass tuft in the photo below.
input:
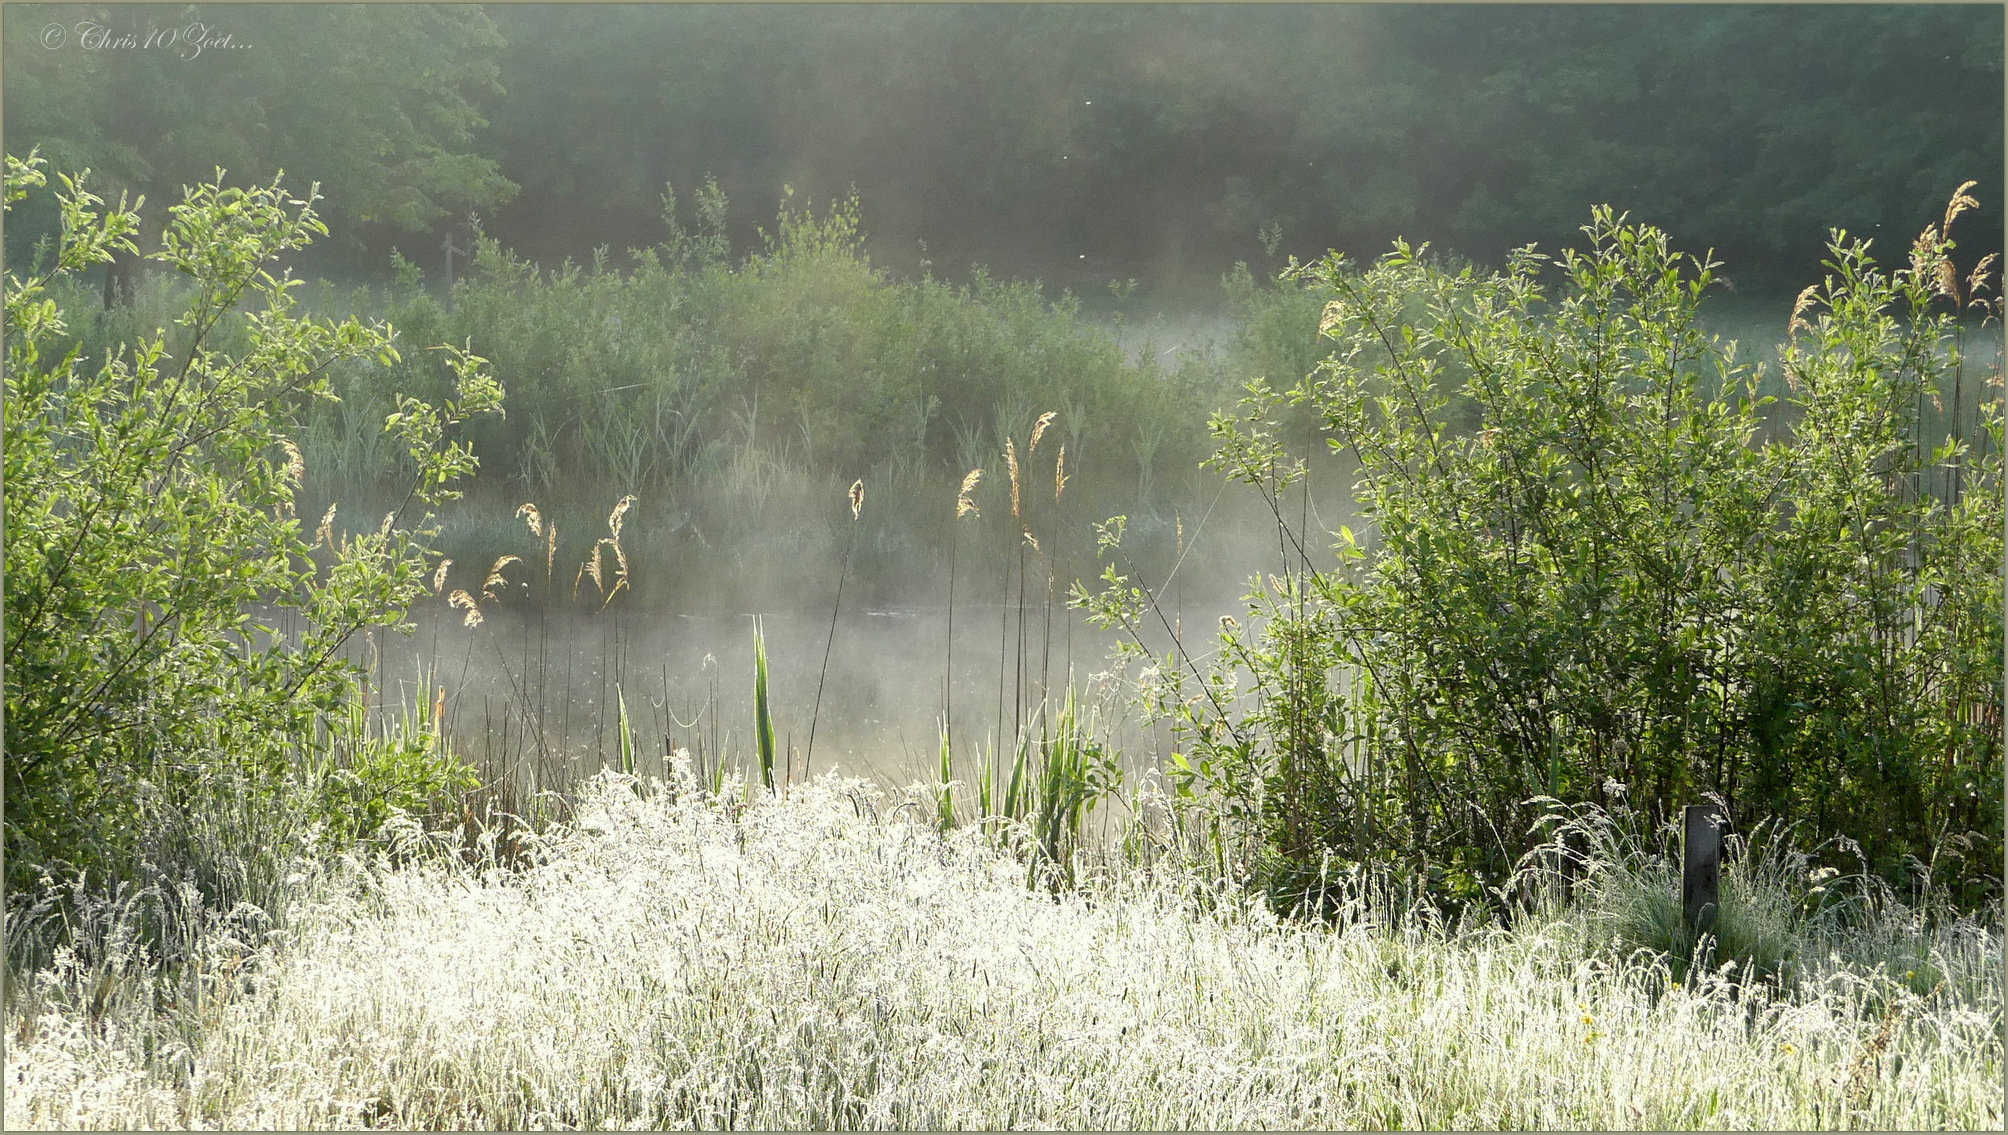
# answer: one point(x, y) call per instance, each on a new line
point(829, 959)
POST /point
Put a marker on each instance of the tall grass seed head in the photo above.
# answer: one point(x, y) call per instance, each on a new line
point(325, 534)
point(964, 506)
point(615, 518)
point(1011, 467)
point(1961, 201)
point(495, 578)
point(1039, 430)
point(591, 567)
point(460, 600)
point(1976, 281)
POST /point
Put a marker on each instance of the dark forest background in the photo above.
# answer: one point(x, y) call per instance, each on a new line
point(1076, 144)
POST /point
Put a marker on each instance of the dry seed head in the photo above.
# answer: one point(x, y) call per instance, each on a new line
point(1799, 308)
point(1331, 317)
point(535, 518)
point(1011, 466)
point(1039, 430)
point(1060, 473)
point(1032, 540)
point(591, 568)
point(1961, 201)
point(325, 534)
point(460, 600)
point(1976, 282)
point(619, 584)
point(963, 505)
point(857, 497)
point(620, 510)
point(1927, 254)
point(296, 465)
point(388, 519)
point(620, 560)
point(439, 577)
point(495, 579)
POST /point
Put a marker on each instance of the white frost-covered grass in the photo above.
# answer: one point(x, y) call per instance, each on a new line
point(828, 961)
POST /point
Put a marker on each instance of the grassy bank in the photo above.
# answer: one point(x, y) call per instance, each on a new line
point(830, 960)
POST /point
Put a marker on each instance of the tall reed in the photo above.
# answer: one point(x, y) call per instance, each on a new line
point(964, 506)
point(857, 498)
point(1004, 598)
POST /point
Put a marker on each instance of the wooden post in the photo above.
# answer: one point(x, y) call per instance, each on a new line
point(1701, 866)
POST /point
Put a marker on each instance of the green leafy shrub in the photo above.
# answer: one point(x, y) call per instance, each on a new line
point(1598, 562)
point(372, 775)
point(153, 551)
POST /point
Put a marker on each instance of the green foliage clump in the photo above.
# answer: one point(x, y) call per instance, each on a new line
point(371, 775)
point(1599, 563)
point(173, 635)
point(802, 356)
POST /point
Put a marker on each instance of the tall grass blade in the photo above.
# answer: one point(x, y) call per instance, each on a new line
point(763, 718)
point(945, 807)
point(626, 732)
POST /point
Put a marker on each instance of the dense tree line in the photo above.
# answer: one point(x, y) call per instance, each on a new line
point(1077, 143)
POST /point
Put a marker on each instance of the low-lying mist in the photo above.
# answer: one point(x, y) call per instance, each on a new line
point(533, 690)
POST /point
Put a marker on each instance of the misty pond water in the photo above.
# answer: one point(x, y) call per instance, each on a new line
point(536, 697)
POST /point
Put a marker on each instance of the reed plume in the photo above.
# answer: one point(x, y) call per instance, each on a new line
point(1039, 430)
point(495, 578)
point(1800, 306)
point(538, 528)
point(1011, 466)
point(964, 506)
point(1976, 281)
point(296, 470)
point(591, 567)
